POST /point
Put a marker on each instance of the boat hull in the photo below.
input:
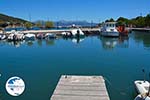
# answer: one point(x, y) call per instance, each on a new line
point(110, 34)
point(142, 97)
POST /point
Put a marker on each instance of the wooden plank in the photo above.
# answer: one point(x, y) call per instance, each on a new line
point(80, 88)
point(64, 97)
point(84, 88)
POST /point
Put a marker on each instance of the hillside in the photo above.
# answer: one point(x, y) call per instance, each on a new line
point(6, 18)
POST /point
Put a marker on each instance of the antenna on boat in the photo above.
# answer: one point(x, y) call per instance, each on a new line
point(144, 75)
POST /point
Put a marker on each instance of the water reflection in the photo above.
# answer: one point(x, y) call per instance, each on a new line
point(15, 43)
point(143, 37)
point(50, 42)
point(110, 43)
point(75, 40)
point(39, 42)
point(30, 43)
point(107, 43)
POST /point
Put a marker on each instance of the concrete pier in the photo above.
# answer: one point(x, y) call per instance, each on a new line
point(140, 29)
point(80, 88)
point(86, 30)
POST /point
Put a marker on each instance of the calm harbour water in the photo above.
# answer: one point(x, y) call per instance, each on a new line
point(41, 63)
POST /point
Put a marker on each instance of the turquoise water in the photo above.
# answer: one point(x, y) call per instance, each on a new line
point(41, 63)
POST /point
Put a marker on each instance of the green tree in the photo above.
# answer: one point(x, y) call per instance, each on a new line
point(49, 24)
point(140, 21)
point(110, 20)
point(122, 21)
point(147, 20)
point(28, 25)
point(38, 23)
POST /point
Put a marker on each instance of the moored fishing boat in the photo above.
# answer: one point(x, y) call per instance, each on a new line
point(30, 36)
point(77, 33)
point(109, 29)
point(40, 36)
point(50, 35)
point(66, 34)
point(122, 30)
point(11, 37)
point(143, 88)
point(3, 36)
point(16, 36)
point(19, 36)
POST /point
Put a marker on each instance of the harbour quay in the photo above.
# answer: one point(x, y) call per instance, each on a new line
point(58, 31)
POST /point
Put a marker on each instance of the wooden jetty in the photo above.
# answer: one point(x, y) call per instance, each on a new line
point(80, 88)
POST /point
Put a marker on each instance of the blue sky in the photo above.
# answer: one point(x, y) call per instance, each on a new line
point(96, 10)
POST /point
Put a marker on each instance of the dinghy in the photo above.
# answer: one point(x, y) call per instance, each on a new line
point(142, 86)
point(3, 37)
point(50, 35)
point(77, 33)
point(39, 36)
point(11, 37)
point(66, 34)
point(142, 97)
point(30, 36)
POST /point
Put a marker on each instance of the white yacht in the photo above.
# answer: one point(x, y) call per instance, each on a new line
point(109, 29)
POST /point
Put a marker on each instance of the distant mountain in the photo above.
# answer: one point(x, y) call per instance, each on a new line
point(77, 23)
point(6, 18)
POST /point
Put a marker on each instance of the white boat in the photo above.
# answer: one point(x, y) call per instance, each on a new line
point(142, 97)
point(3, 37)
point(109, 29)
point(66, 34)
point(11, 37)
point(16, 36)
point(142, 86)
point(50, 35)
point(30, 36)
point(40, 36)
point(77, 33)
point(19, 36)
